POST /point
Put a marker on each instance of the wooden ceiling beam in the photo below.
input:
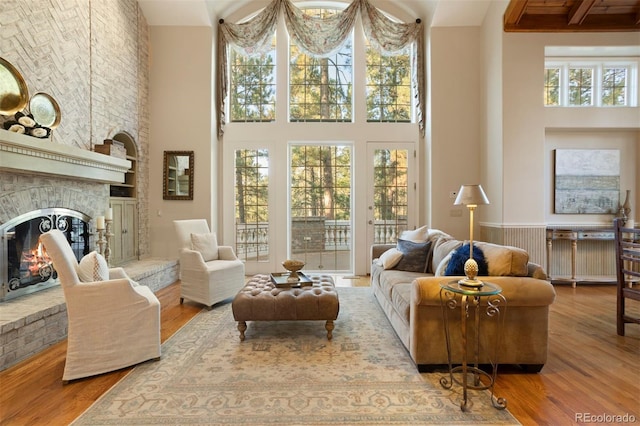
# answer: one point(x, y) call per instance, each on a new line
point(514, 12)
point(572, 15)
point(558, 23)
point(579, 11)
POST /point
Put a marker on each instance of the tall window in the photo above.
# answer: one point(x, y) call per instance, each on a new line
point(253, 88)
point(320, 89)
point(388, 87)
point(252, 196)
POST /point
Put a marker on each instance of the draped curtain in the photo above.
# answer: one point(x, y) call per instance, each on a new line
point(321, 38)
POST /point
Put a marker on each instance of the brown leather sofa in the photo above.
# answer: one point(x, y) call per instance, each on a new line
point(411, 302)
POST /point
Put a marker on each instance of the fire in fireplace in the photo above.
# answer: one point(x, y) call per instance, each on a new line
point(28, 268)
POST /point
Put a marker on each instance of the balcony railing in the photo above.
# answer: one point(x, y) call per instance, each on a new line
point(252, 240)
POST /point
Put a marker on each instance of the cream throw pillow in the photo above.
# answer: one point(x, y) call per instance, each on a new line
point(93, 267)
point(418, 235)
point(390, 258)
point(206, 244)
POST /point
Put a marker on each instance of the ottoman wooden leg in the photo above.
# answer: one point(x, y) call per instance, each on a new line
point(329, 326)
point(242, 326)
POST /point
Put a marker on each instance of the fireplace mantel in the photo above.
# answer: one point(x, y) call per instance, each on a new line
point(28, 154)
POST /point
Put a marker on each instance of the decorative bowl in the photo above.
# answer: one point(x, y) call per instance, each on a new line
point(293, 265)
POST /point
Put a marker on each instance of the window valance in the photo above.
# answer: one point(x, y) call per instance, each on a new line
point(322, 38)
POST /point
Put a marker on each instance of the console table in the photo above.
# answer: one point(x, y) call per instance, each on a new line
point(574, 235)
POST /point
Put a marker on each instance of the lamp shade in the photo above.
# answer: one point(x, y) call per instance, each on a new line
point(471, 194)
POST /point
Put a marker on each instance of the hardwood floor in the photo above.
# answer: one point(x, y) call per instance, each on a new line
point(591, 371)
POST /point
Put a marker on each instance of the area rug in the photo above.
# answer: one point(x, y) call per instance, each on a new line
point(288, 373)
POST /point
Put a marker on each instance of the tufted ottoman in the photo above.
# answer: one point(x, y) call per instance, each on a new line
point(261, 300)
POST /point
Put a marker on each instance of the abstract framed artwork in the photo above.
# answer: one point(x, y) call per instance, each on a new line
point(587, 181)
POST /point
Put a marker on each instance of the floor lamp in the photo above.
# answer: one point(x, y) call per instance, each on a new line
point(471, 196)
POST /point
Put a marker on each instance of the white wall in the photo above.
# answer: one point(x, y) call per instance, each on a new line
point(526, 121)
point(456, 143)
point(627, 141)
point(491, 111)
point(180, 93)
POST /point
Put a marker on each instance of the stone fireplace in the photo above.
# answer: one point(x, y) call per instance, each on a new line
point(40, 178)
point(43, 183)
point(46, 185)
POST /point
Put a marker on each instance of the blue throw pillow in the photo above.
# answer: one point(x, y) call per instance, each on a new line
point(460, 256)
point(414, 256)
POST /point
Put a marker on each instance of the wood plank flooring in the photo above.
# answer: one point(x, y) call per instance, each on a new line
point(591, 371)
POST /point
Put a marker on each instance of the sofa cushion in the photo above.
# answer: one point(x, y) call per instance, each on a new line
point(414, 256)
point(390, 258)
point(206, 244)
point(390, 279)
point(504, 260)
point(460, 256)
point(441, 249)
point(401, 300)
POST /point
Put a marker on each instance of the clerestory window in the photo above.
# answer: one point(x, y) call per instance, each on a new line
point(253, 86)
point(581, 83)
point(319, 78)
point(320, 89)
point(388, 87)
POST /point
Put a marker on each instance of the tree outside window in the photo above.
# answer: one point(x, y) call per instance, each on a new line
point(253, 88)
point(388, 87)
point(614, 86)
point(581, 86)
point(321, 89)
point(552, 86)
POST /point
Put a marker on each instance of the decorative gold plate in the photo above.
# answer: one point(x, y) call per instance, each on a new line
point(14, 93)
point(45, 110)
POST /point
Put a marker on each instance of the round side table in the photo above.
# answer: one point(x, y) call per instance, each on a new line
point(454, 294)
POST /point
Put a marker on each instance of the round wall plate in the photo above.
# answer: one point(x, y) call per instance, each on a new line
point(14, 94)
point(45, 110)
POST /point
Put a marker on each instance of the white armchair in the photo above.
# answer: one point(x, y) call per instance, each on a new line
point(209, 273)
point(113, 323)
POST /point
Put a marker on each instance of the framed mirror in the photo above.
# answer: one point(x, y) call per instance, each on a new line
point(178, 175)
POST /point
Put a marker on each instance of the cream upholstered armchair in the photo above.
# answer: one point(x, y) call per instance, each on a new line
point(209, 273)
point(113, 321)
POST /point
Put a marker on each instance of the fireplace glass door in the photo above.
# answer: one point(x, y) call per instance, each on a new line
point(28, 267)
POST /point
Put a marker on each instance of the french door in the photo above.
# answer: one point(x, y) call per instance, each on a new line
point(392, 191)
point(308, 203)
point(320, 218)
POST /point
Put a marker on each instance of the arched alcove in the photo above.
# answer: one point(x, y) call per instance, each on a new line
point(124, 207)
point(127, 189)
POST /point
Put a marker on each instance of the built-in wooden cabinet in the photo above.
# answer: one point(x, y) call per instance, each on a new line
point(124, 244)
point(124, 241)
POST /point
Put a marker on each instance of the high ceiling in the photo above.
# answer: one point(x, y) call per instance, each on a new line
point(572, 15)
point(520, 15)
